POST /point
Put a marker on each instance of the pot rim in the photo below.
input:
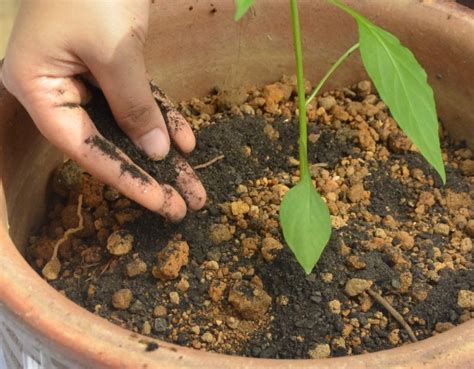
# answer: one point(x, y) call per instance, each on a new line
point(38, 309)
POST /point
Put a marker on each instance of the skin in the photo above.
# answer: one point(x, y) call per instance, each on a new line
point(53, 47)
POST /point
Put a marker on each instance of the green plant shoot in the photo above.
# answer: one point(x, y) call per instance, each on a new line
point(402, 85)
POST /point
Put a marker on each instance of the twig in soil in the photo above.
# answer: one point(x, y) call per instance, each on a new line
point(394, 313)
point(53, 266)
point(106, 266)
point(209, 163)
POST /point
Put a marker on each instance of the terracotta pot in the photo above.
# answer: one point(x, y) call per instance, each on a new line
point(190, 50)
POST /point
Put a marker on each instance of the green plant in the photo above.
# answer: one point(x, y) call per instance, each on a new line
point(402, 85)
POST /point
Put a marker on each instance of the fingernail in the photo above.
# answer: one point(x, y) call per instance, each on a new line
point(155, 143)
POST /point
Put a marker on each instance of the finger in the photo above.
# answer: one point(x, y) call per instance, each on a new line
point(178, 127)
point(189, 184)
point(66, 125)
point(127, 91)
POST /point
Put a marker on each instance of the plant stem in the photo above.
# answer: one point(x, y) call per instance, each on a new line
point(303, 141)
point(331, 71)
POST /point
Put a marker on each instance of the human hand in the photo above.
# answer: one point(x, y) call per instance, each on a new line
point(54, 42)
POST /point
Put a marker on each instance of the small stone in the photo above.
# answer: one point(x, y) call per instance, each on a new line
point(442, 229)
point(441, 327)
point(394, 337)
point(467, 167)
point(220, 233)
point(196, 329)
point(122, 299)
point(420, 291)
point(174, 297)
point(320, 351)
point(466, 245)
point(239, 208)
point(335, 306)
point(120, 243)
point(327, 277)
point(327, 102)
point(183, 285)
point(249, 246)
point(470, 227)
point(208, 337)
point(271, 132)
point(269, 248)
point(159, 311)
point(356, 286)
point(211, 265)
point(135, 268)
point(355, 262)
point(67, 178)
point(232, 322)
point(466, 299)
point(160, 325)
point(364, 88)
point(406, 280)
point(356, 193)
point(146, 327)
point(251, 301)
point(216, 290)
point(406, 240)
point(171, 259)
point(137, 307)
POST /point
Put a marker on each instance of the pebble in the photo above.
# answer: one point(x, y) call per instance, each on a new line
point(160, 325)
point(171, 259)
point(466, 299)
point(470, 227)
point(442, 229)
point(159, 310)
point(270, 246)
point(250, 300)
point(466, 245)
point(355, 262)
point(183, 285)
point(467, 167)
point(356, 286)
point(327, 102)
point(441, 327)
point(356, 193)
point(216, 290)
point(394, 337)
point(219, 233)
point(122, 299)
point(174, 297)
point(120, 243)
point(320, 351)
point(327, 277)
point(137, 307)
point(146, 329)
point(208, 337)
point(249, 246)
point(406, 240)
point(239, 208)
point(335, 306)
point(135, 268)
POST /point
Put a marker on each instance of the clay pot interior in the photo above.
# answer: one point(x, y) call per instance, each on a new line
point(192, 48)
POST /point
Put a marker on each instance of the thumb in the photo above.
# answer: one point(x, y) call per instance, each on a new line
point(127, 90)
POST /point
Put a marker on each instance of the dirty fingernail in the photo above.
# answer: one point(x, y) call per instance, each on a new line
point(155, 143)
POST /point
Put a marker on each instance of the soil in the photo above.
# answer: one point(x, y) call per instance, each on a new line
point(225, 281)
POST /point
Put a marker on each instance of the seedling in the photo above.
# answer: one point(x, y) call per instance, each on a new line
point(402, 85)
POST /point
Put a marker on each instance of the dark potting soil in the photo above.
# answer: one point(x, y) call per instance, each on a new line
point(300, 316)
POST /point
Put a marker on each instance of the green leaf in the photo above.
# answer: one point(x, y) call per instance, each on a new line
point(306, 223)
point(402, 84)
point(242, 8)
